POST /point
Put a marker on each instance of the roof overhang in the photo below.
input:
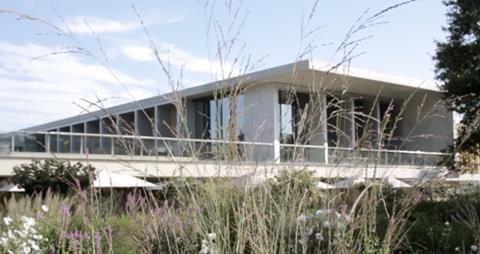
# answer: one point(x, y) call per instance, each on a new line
point(305, 73)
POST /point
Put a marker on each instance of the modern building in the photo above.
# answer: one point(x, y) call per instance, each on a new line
point(295, 115)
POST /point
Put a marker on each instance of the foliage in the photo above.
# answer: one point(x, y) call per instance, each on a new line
point(457, 67)
point(438, 226)
point(167, 229)
point(57, 175)
point(468, 162)
point(220, 217)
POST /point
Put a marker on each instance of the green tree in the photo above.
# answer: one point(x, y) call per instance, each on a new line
point(457, 62)
point(58, 176)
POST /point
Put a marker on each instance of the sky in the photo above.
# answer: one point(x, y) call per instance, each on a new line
point(64, 58)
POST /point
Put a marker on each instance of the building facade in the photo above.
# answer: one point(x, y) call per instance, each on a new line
point(295, 113)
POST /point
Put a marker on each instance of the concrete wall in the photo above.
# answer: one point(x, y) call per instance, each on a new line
point(261, 121)
point(317, 134)
point(426, 125)
point(165, 167)
point(260, 111)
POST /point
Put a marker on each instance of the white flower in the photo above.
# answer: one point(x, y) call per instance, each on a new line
point(25, 250)
point(447, 223)
point(35, 246)
point(310, 231)
point(21, 233)
point(457, 249)
point(474, 248)
point(336, 215)
point(10, 233)
point(37, 237)
point(326, 224)
point(302, 218)
point(44, 208)
point(204, 248)
point(28, 222)
point(212, 236)
point(319, 236)
point(7, 220)
point(321, 212)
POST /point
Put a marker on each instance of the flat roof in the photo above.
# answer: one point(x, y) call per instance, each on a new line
point(372, 75)
point(284, 73)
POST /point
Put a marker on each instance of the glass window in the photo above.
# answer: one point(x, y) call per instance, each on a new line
point(213, 117)
point(286, 124)
point(292, 107)
point(332, 115)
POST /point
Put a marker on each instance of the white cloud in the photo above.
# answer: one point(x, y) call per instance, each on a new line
point(138, 53)
point(176, 57)
point(99, 25)
point(37, 91)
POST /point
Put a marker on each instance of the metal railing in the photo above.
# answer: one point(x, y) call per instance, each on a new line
point(134, 145)
point(205, 149)
point(384, 156)
point(358, 156)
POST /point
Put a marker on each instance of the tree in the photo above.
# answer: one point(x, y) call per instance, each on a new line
point(457, 62)
point(58, 176)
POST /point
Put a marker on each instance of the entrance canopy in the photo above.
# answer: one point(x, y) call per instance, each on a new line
point(11, 188)
point(108, 179)
point(349, 182)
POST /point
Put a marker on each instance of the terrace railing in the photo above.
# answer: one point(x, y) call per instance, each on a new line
point(204, 149)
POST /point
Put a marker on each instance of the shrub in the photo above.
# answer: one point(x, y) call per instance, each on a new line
point(59, 176)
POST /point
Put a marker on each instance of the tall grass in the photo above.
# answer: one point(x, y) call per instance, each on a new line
point(283, 214)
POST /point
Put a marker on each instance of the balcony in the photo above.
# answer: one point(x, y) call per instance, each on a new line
point(174, 149)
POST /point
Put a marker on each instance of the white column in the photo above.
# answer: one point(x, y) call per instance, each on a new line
point(135, 122)
point(352, 116)
point(58, 141)
point(379, 124)
point(155, 121)
point(47, 143)
point(276, 127)
point(325, 127)
point(100, 131)
point(71, 139)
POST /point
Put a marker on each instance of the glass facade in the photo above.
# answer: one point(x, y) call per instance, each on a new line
point(292, 107)
point(216, 119)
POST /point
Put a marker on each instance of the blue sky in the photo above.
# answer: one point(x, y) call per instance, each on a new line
point(35, 88)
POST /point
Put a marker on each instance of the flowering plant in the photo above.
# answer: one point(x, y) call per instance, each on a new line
point(22, 236)
point(325, 220)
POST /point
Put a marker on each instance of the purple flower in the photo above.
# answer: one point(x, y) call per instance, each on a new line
point(417, 199)
point(109, 234)
point(65, 210)
point(343, 209)
point(130, 203)
point(75, 241)
point(98, 243)
point(392, 220)
point(52, 250)
point(77, 183)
